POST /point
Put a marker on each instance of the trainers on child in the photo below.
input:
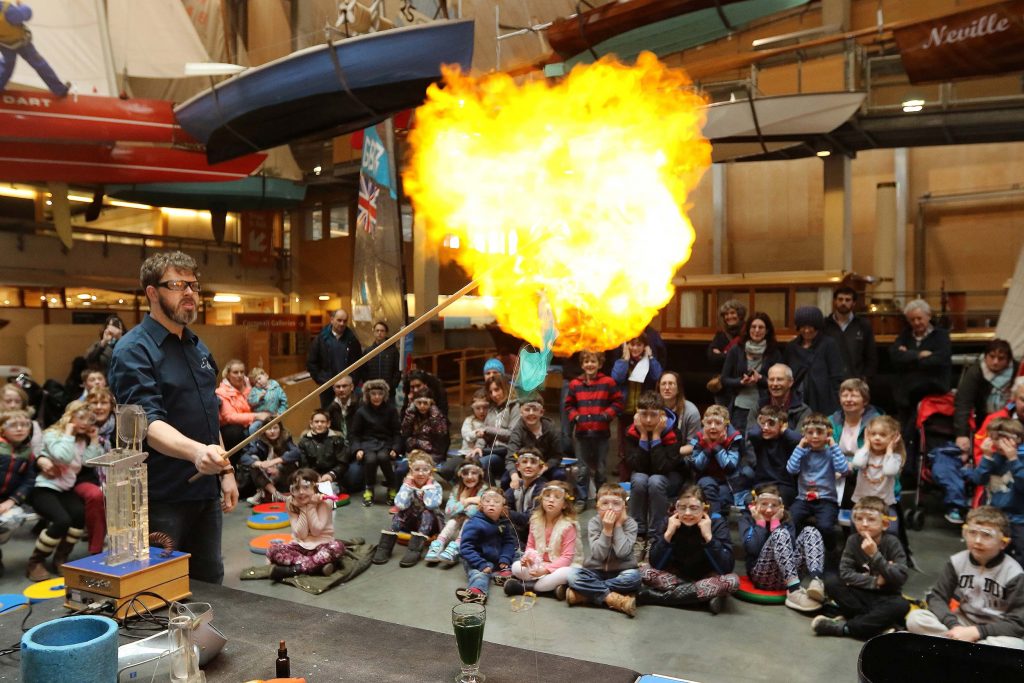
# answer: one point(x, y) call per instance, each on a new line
point(278, 497)
point(391, 496)
point(256, 498)
point(433, 555)
point(801, 602)
point(816, 590)
point(954, 516)
point(367, 498)
point(514, 587)
point(824, 626)
point(450, 555)
point(501, 576)
point(475, 595)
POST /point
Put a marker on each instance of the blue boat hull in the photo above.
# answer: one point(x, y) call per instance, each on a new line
point(312, 93)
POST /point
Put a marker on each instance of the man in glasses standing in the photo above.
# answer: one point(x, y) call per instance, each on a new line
point(162, 366)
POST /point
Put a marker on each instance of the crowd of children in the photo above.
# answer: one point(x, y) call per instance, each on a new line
point(511, 516)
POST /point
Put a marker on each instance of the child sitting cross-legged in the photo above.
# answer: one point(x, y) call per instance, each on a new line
point(463, 503)
point(987, 583)
point(554, 547)
point(609, 575)
point(419, 512)
point(313, 548)
point(488, 547)
point(691, 559)
point(775, 553)
point(871, 576)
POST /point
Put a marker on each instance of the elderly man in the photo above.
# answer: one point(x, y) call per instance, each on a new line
point(331, 351)
point(782, 395)
point(162, 366)
point(854, 335)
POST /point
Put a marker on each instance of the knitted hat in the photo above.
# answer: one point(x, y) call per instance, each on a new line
point(809, 315)
point(531, 397)
point(494, 364)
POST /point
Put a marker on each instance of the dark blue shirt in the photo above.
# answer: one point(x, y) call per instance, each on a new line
point(173, 380)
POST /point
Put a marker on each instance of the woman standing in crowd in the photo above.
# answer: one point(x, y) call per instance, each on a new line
point(731, 315)
point(815, 360)
point(745, 374)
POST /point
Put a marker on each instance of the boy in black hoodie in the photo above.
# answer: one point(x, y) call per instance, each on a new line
point(769, 445)
point(652, 452)
point(323, 449)
point(524, 491)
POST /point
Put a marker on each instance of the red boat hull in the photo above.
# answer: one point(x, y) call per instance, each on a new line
point(99, 164)
point(87, 118)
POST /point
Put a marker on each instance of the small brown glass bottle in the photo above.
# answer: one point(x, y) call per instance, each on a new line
point(284, 665)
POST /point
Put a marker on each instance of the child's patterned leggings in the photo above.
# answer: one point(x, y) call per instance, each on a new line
point(779, 561)
point(418, 519)
point(451, 530)
point(707, 588)
point(288, 554)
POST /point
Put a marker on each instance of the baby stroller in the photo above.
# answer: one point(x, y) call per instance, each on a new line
point(935, 427)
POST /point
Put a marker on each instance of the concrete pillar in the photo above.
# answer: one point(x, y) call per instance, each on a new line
point(886, 227)
point(838, 224)
point(430, 337)
point(901, 173)
point(719, 198)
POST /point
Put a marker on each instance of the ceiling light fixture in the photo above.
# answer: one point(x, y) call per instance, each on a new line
point(910, 106)
point(227, 298)
point(324, 297)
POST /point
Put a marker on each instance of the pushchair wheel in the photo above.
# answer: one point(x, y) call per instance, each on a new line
point(916, 519)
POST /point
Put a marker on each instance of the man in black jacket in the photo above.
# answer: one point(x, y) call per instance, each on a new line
point(854, 335)
point(331, 351)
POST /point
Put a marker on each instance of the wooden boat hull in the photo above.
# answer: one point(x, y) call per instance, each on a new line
point(325, 90)
point(87, 118)
point(100, 164)
point(794, 115)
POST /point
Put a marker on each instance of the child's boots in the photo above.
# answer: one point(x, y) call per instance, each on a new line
point(385, 545)
point(280, 572)
point(414, 551)
point(433, 555)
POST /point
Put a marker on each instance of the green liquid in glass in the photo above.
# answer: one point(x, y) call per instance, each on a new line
point(469, 636)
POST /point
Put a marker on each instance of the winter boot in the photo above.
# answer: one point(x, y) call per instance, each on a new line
point(36, 568)
point(413, 551)
point(622, 603)
point(433, 555)
point(384, 547)
point(450, 555)
point(64, 548)
point(279, 572)
point(682, 595)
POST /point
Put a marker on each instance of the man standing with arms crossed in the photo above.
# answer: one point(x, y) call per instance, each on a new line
point(163, 367)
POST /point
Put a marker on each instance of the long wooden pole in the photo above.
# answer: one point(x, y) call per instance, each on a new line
point(411, 327)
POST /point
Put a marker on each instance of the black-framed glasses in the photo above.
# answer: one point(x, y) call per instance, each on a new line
point(180, 285)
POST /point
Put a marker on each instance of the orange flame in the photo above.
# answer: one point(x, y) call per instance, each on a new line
point(572, 190)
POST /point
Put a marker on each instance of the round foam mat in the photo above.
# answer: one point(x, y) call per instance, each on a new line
point(751, 593)
point(45, 590)
point(342, 501)
point(264, 508)
point(268, 520)
point(12, 602)
point(260, 544)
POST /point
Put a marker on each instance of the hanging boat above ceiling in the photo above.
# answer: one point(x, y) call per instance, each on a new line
point(325, 90)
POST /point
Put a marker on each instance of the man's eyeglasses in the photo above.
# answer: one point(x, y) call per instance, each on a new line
point(180, 285)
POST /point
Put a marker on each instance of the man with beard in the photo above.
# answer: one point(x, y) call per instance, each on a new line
point(853, 334)
point(162, 366)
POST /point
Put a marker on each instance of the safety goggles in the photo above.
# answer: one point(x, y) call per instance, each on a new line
point(713, 422)
point(771, 422)
point(610, 503)
point(302, 487)
point(691, 509)
point(814, 431)
point(982, 534)
point(867, 517)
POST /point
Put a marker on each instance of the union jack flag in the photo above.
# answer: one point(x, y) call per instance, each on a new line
point(368, 193)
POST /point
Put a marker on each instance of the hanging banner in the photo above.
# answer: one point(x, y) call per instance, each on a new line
point(977, 42)
point(258, 238)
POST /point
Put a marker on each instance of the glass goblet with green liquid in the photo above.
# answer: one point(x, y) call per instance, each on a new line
point(468, 623)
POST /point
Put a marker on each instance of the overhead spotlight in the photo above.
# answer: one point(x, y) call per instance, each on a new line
point(823, 153)
point(227, 298)
point(120, 301)
point(910, 106)
point(317, 170)
point(324, 297)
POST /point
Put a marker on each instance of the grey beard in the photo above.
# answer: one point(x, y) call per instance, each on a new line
point(180, 318)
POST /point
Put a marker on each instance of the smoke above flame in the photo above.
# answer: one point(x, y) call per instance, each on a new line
point(572, 191)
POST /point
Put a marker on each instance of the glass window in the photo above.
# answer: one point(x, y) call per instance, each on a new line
point(339, 221)
point(286, 230)
point(314, 227)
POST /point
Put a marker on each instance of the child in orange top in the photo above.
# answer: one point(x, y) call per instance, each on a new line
point(554, 546)
point(313, 548)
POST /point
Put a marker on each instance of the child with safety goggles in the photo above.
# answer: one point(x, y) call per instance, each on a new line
point(714, 455)
point(776, 555)
point(987, 584)
point(818, 462)
point(769, 444)
point(1001, 471)
point(524, 490)
point(463, 503)
point(313, 548)
point(691, 559)
point(554, 547)
point(872, 572)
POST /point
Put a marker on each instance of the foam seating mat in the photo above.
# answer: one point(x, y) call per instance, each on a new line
point(748, 592)
point(268, 520)
point(261, 544)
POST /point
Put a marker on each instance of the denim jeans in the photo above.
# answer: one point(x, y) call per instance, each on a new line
point(649, 497)
point(947, 471)
point(597, 584)
point(195, 526)
point(477, 578)
point(592, 460)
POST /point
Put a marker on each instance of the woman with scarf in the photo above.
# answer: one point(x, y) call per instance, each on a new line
point(745, 374)
point(731, 316)
point(984, 389)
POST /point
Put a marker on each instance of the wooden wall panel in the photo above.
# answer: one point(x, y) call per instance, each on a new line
point(269, 31)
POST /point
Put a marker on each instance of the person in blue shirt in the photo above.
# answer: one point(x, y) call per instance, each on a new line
point(163, 367)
